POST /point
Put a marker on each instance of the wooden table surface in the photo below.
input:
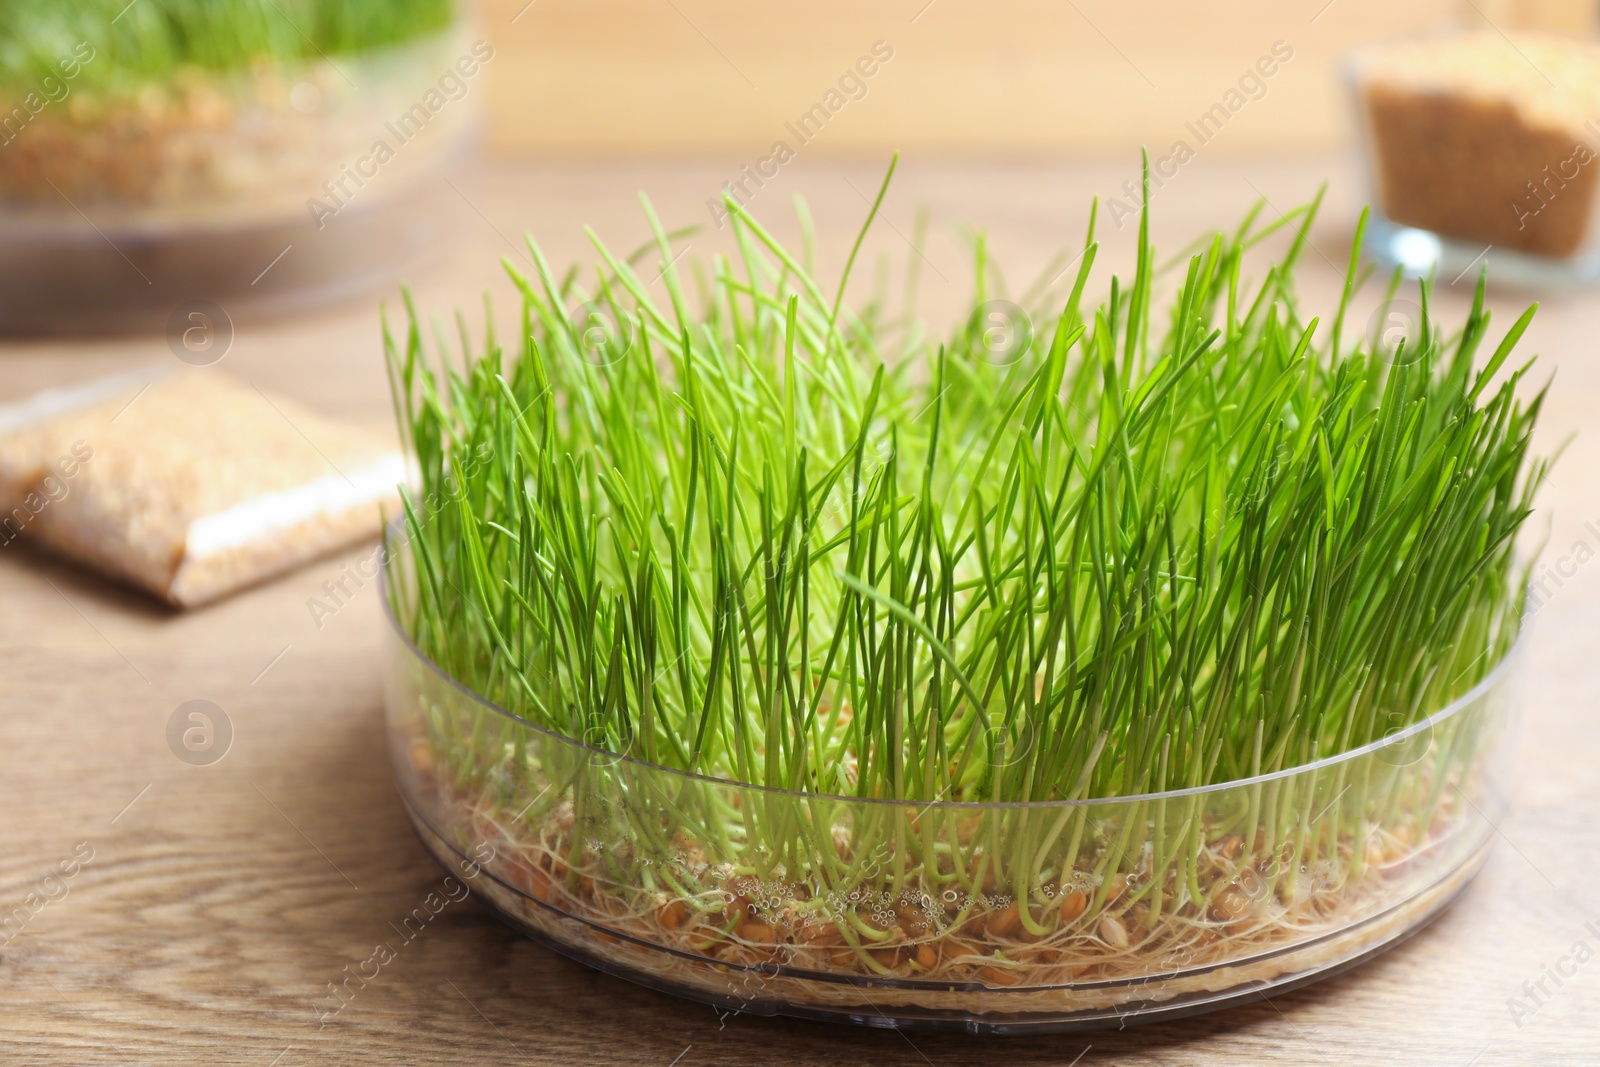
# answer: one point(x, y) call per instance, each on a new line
point(220, 900)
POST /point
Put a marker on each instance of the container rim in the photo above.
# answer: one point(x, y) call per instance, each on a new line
point(1489, 681)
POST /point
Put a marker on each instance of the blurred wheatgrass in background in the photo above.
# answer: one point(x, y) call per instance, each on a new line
point(143, 44)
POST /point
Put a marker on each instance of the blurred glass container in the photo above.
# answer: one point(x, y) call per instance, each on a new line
point(262, 189)
point(861, 910)
point(1480, 148)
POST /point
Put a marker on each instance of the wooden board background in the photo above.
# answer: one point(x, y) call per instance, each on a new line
point(221, 899)
point(637, 78)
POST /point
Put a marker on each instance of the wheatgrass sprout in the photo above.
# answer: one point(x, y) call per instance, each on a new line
point(749, 542)
point(746, 532)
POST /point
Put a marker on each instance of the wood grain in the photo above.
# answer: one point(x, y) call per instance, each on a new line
point(631, 77)
point(219, 904)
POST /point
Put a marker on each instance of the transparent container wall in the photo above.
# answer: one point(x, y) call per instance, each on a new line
point(1458, 182)
point(984, 917)
point(262, 190)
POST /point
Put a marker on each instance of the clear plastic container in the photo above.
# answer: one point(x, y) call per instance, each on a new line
point(1480, 149)
point(260, 189)
point(989, 918)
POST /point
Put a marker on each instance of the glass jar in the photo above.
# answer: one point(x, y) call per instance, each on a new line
point(1483, 149)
